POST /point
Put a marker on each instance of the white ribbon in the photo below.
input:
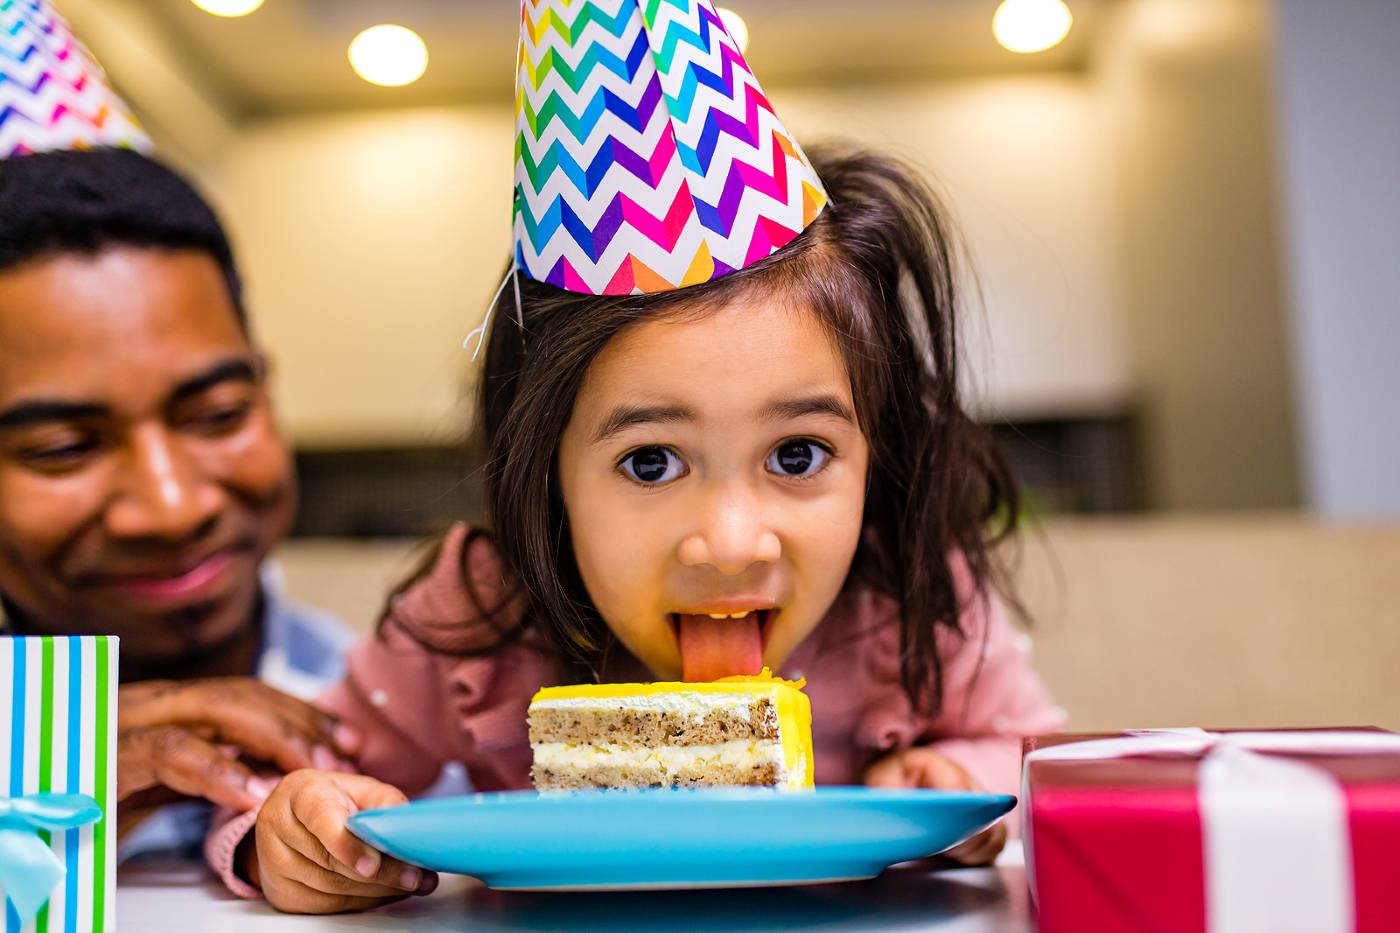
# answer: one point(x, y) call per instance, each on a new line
point(1276, 835)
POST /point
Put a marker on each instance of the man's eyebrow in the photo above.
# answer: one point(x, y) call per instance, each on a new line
point(39, 411)
point(630, 416)
point(42, 410)
point(236, 370)
point(790, 408)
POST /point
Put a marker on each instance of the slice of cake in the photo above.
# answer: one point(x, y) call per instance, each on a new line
point(753, 730)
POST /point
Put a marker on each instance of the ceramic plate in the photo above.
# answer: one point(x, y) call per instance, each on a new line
point(729, 837)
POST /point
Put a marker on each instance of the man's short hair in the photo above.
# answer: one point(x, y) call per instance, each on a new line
point(89, 200)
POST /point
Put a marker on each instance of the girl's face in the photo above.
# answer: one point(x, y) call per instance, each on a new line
point(714, 466)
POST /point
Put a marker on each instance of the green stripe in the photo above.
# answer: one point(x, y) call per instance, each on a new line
point(46, 716)
point(41, 922)
point(99, 790)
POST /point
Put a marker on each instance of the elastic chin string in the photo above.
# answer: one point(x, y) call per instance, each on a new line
point(512, 278)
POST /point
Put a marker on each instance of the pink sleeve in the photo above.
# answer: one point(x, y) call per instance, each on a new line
point(992, 696)
point(226, 832)
point(414, 708)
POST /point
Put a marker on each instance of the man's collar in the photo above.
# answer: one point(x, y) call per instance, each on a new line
point(7, 614)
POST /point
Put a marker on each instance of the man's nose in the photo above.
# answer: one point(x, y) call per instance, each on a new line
point(732, 534)
point(163, 493)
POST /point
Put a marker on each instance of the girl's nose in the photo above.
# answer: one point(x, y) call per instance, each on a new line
point(732, 537)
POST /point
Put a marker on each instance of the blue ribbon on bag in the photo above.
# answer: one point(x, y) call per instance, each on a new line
point(29, 871)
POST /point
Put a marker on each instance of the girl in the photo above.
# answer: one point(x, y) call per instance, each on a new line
point(787, 443)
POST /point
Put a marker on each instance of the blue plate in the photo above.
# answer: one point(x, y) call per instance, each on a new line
point(729, 837)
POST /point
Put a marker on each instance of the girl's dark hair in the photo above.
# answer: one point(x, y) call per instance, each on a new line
point(84, 201)
point(877, 267)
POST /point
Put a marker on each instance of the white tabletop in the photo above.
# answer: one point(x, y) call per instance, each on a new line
point(966, 900)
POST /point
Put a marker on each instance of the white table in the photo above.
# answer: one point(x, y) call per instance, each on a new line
point(966, 900)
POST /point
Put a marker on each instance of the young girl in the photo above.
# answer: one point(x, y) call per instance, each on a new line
point(762, 461)
point(786, 441)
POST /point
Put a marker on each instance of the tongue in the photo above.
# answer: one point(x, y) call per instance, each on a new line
point(715, 648)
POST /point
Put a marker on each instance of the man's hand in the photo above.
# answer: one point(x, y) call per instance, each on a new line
point(307, 862)
point(188, 736)
point(924, 767)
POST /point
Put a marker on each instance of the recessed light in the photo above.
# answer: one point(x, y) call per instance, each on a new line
point(389, 55)
point(1027, 26)
point(228, 8)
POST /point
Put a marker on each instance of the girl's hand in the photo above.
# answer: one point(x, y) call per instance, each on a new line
point(924, 767)
point(307, 861)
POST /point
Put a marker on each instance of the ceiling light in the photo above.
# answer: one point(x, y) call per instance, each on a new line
point(1031, 25)
point(736, 27)
point(390, 56)
point(228, 7)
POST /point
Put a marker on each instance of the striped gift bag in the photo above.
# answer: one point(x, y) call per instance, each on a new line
point(58, 716)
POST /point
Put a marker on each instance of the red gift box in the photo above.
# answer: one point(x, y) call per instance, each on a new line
point(1183, 830)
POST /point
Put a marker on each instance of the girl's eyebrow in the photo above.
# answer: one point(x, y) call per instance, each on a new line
point(630, 416)
point(789, 409)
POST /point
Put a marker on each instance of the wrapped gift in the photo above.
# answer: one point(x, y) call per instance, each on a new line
point(58, 715)
point(1184, 830)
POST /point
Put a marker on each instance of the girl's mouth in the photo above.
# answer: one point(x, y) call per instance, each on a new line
point(723, 642)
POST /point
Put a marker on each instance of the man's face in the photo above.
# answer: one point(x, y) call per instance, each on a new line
point(714, 467)
point(142, 480)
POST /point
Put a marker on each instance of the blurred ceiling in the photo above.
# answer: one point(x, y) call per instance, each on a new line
point(290, 56)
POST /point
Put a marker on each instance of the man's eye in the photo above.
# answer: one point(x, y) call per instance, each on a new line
point(798, 459)
point(653, 465)
point(223, 418)
point(61, 456)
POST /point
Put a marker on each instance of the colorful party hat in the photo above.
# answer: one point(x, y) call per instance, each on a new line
point(53, 94)
point(647, 157)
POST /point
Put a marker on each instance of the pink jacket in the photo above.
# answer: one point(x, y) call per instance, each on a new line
point(419, 709)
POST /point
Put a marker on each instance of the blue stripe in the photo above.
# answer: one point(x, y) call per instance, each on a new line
point(75, 757)
point(16, 751)
point(17, 646)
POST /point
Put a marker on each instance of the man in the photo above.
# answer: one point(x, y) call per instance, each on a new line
point(143, 483)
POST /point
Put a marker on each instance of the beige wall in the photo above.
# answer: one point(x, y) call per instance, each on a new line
point(189, 119)
point(1186, 92)
point(1121, 221)
point(372, 243)
point(1019, 161)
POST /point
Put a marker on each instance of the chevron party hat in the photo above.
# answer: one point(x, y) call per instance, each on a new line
point(647, 157)
point(53, 94)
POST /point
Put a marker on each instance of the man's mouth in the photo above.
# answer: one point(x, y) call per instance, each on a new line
point(722, 640)
point(184, 580)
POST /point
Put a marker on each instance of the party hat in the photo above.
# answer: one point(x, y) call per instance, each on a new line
point(647, 157)
point(53, 94)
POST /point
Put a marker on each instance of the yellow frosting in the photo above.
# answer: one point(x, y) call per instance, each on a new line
point(794, 709)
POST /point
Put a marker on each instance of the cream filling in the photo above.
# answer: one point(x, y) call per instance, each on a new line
point(667, 759)
point(691, 704)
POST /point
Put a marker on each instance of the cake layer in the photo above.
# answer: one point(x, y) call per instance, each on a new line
point(698, 721)
point(560, 765)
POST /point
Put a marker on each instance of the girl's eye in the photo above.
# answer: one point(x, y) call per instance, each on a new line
point(798, 459)
point(653, 465)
